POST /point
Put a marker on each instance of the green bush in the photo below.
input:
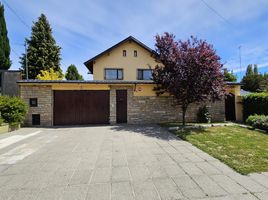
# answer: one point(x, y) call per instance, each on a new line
point(13, 110)
point(203, 115)
point(256, 103)
point(1, 121)
point(258, 121)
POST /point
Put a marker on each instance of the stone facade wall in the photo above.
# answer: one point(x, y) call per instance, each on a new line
point(151, 110)
point(155, 109)
point(44, 95)
point(141, 109)
point(112, 106)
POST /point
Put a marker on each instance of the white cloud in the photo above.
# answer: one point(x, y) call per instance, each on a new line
point(85, 28)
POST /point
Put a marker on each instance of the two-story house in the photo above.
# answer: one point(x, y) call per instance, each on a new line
point(121, 92)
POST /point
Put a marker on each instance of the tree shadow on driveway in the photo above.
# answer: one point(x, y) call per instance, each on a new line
point(151, 130)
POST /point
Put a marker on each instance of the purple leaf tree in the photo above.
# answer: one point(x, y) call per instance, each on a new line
point(189, 70)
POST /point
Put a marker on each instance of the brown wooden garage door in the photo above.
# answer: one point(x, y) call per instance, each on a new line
point(81, 107)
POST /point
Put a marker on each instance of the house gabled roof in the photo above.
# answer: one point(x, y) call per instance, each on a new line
point(89, 63)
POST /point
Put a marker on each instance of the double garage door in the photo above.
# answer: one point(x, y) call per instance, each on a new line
point(81, 107)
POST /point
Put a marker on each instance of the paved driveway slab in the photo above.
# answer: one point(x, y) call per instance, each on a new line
point(113, 163)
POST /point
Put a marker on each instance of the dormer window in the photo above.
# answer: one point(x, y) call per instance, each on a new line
point(124, 53)
point(135, 53)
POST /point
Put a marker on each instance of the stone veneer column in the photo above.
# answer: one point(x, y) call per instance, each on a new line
point(44, 95)
point(112, 106)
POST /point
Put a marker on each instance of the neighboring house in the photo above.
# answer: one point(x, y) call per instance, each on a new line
point(8, 82)
point(121, 92)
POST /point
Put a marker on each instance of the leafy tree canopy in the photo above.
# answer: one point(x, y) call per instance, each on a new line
point(191, 70)
point(264, 83)
point(42, 51)
point(229, 76)
point(73, 74)
point(5, 61)
point(49, 75)
point(253, 81)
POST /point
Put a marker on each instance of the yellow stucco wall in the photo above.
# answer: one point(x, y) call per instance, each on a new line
point(139, 89)
point(80, 87)
point(235, 89)
point(145, 90)
point(71, 86)
point(129, 64)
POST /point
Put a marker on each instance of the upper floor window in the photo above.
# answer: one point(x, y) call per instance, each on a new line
point(124, 53)
point(144, 74)
point(113, 74)
point(135, 53)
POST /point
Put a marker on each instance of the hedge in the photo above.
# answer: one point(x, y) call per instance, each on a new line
point(256, 103)
point(258, 121)
point(13, 110)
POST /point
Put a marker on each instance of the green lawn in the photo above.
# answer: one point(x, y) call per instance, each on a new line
point(244, 150)
point(174, 124)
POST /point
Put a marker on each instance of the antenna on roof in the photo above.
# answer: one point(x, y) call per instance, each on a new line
point(26, 60)
point(240, 46)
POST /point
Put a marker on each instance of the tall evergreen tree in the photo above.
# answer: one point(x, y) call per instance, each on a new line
point(252, 81)
point(255, 70)
point(5, 61)
point(249, 70)
point(42, 51)
point(73, 74)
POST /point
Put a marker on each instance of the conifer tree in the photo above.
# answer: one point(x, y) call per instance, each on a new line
point(73, 74)
point(249, 70)
point(42, 51)
point(252, 81)
point(5, 61)
point(255, 70)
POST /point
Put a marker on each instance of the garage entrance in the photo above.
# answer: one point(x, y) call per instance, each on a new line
point(80, 107)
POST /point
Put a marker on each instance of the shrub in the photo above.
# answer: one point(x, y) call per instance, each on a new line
point(13, 110)
point(203, 115)
point(258, 121)
point(256, 103)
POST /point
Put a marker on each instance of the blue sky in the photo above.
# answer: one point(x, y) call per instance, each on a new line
point(85, 28)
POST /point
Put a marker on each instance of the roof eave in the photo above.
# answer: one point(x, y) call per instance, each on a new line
point(89, 65)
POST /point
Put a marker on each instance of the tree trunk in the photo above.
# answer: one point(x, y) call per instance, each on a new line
point(184, 108)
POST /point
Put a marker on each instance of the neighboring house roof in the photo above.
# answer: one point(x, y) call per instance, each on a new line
point(4, 70)
point(89, 63)
point(233, 83)
point(244, 92)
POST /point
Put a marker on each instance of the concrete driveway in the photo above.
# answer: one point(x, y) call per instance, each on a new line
point(115, 162)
